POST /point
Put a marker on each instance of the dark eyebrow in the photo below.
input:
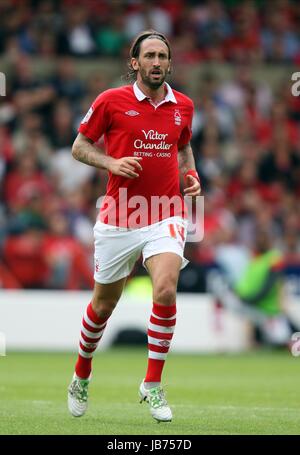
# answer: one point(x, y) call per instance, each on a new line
point(153, 52)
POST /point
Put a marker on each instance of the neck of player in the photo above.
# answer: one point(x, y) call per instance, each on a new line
point(155, 94)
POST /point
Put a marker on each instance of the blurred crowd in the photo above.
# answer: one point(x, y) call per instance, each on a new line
point(228, 30)
point(245, 133)
point(247, 149)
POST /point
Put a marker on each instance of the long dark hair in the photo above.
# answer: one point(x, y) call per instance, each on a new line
point(136, 47)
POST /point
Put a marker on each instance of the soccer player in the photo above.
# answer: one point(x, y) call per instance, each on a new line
point(147, 130)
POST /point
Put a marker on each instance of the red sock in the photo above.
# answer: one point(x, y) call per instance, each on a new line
point(92, 328)
point(160, 333)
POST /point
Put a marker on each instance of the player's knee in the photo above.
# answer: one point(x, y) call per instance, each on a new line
point(103, 308)
point(165, 293)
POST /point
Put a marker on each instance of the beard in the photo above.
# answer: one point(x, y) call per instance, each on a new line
point(152, 82)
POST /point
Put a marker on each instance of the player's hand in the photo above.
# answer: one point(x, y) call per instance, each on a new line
point(126, 167)
point(193, 187)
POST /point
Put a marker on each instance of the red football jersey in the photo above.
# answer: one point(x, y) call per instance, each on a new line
point(133, 126)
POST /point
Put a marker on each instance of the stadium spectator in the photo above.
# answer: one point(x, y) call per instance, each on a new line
point(111, 37)
point(244, 44)
point(25, 181)
point(65, 257)
point(232, 257)
point(61, 129)
point(66, 81)
point(211, 22)
point(29, 135)
point(261, 286)
point(281, 163)
point(148, 15)
point(278, 39)
point(23, 256)
point(76, 37)
point(291, 268)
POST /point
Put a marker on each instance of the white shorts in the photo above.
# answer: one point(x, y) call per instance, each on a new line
point(117, 249)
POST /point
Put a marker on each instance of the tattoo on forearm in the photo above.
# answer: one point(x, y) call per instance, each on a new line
point(86, 153)
point(186, 159)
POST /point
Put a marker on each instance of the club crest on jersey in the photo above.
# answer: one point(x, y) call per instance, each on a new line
point(87, 115)
point(177, 117)
point(132, 113)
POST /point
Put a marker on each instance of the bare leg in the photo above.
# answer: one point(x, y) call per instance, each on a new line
point(164, 271)
point(106, 297)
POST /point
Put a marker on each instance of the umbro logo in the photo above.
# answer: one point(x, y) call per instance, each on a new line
point(164, 343)
point(132, 113)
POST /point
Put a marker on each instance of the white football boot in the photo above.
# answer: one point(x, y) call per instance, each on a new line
point(155, 397)
point(78, 396)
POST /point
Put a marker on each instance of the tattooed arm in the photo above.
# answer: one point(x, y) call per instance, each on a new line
point(186, 162)
point(84, 151)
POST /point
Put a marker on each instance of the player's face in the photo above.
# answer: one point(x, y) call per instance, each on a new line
point(153, 63)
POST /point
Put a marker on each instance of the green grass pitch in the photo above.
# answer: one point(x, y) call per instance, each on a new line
point(254, 393)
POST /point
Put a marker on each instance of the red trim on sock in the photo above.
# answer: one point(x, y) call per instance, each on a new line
point(93, 316)
point(164, 311)
point(162, 322)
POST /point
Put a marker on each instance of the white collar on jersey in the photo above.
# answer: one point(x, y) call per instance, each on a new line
point(141, 96)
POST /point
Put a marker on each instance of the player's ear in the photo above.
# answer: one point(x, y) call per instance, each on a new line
point(134, 64)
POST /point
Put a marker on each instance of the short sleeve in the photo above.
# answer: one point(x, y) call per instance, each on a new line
point(186, 133)
point(96, 121)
